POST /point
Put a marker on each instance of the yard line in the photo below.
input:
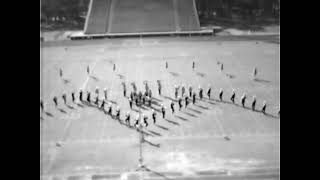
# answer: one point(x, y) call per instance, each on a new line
point(88, 77)
point(165, 137)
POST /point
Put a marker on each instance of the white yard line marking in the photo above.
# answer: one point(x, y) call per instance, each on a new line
point(88, 77)
point(162, 138)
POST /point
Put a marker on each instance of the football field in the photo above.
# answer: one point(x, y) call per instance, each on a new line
point(79, 141)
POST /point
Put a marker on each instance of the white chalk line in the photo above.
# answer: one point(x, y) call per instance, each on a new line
point(88, 77)
point(165, 137)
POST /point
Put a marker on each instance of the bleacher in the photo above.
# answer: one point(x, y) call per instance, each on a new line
point(130, 16)
point(98, 16)
point(187, 15)
point(114, 18)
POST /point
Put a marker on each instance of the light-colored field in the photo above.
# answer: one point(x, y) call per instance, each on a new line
point(93, 143)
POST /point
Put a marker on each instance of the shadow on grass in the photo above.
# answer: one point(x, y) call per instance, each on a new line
point(80, 105)
point(174, 74)
point(231, 76)
point(261, 80)
point(196, 111)
point(172, 122)
point(170, 98)
point(152, 144)
point(162, 127)
point(201, 74)
point(66, 81)
point(182, 118)
point(202, 107)
point(192, 115)
point(94, 78)
point(155, 133)
point(70, 107)
point(157, 99)
point(121, 76)
point(157, 173)
point(155, 103)
point(48, 114)
point(61, 110)
point(113, 102)
point(270, 115)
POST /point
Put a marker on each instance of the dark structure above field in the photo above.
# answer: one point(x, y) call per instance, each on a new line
point(141, 16)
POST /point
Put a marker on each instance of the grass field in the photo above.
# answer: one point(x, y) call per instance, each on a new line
point(189, 143)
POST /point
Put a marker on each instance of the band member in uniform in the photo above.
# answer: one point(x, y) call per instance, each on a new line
point(97, 101)
point(190, 91)
point(243, 99)
point(64, 97)
point(233, 96)
point(209, 92)
point(118, 113)
point(105, 93)
point(73, 98)
point(253, 105)
point(163, 111)
point(110, 110)
point(149, 101)
point(55, 100)
point(60, 72)
point(88, 70)
point(220, 94)
point(180, 103)
point(255, 72)
point(97, 90)
point(41, 105)
point(124, 88)
point(88, 96)
point(172, 107)
point(137, 101)
point(194, 98)
point(186, 99)
point(154, 116)
point(143, 99)
point(264, 106)
point(159, 89)
point(137, 120)
point(150, 93)
point(193, 65)
point(166, 65)
point(131, 95)
point(81, 95)
point(200, 93)
point(130, 103)
point(176, 89)
point(145, 120)
point(183, 90)
point(127, 119)
point(140, 96)
point(102, 104)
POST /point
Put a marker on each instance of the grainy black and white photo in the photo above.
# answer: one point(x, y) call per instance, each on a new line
point(159, 89)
